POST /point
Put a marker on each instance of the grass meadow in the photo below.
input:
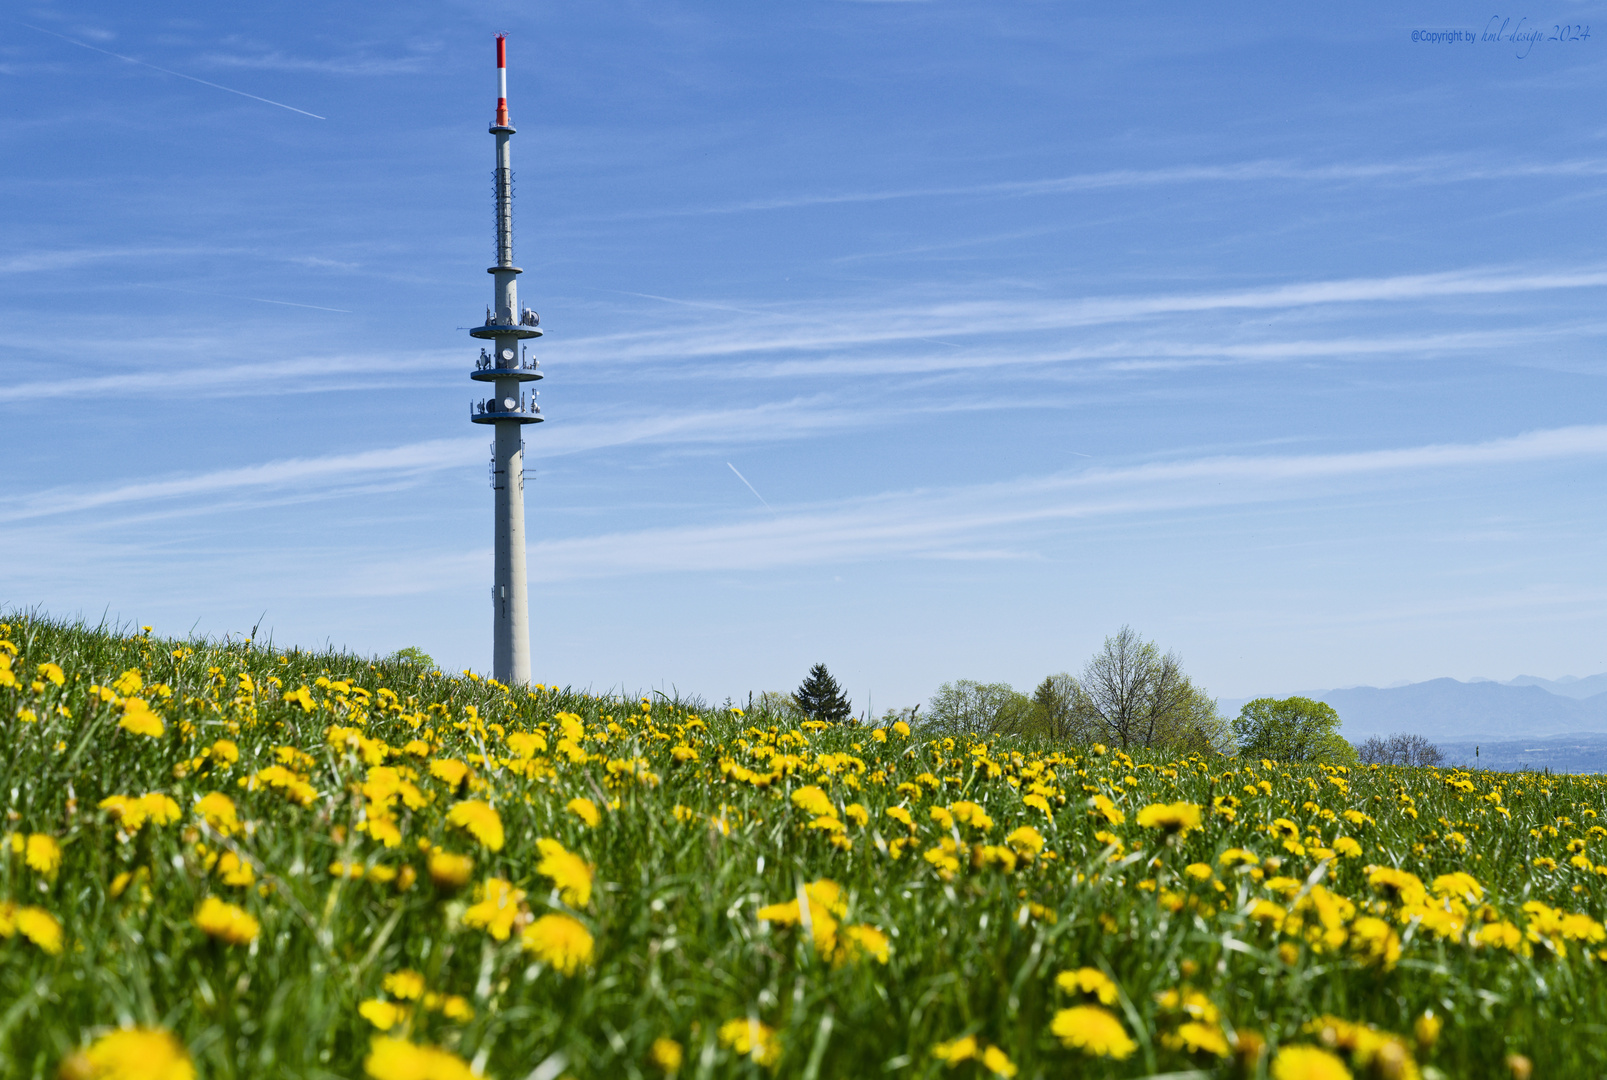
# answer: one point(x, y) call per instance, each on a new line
point(224, 860)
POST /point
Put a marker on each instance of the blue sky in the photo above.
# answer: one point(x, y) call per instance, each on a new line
point(1277, 337)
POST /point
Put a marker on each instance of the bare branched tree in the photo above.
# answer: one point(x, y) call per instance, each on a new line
point(1399, 749)
point(1134, 695)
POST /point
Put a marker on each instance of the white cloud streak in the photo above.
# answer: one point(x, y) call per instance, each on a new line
point(1440, 170)
point(338, 473)
point(824, 326)
point(948, 523)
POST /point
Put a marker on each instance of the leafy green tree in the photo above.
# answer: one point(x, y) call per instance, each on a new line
point(1054, 710)
point(413, 656)
point(1291, 729)
point(967, 707)
point(821, 698)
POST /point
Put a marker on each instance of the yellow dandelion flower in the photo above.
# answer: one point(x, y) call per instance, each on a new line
point(1198, 871)
point(1092, 1030)
point(857, 814)
point(398, 1059)
point(453, 772)
point(34, 923)
point(382, 1014)
point(585, 810)
point(1038, 803)
point(1501, 935)
point(226, 922)
point(124, 810)
point(970, 813)
point(496, 908)
point(749, 1038)
point(1376, 941)
point(450, 871)
point(998, 1063)
point(944, 857)
point(217, 810)
point(1397, 885)
point(234, 871)
point(1348, 846)
point(568, 871)
point(812, 800)
point(1025, 841)
point(862, 940)
point(457, 1008)
point(480, 819)
point(405, 984)
point(1267, 912)
point(901, 729)
point(292, 786)
point(131, 1054)
point(383, 828)
point(1192, 1002)
point(666, 1054)
point(1308, 1063)
point(140, 720)
point(954, 1052)
point(527, 744)
point(1180, 817)
point(53, 673)
point(1105, 808)
point(1459, 884)
point(559, 941)
point(1090, 981)
point(902, 816)
point(43, 854)
point(159, 809)
point(1197, 1038)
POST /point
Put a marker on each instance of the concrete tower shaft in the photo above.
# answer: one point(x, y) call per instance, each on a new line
point(508, 368)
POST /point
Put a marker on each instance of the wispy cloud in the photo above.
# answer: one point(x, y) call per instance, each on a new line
point(358, 65)
point(824, 326)
point(34, 261)
point(1436, 170)
point(288, 376)
point(948, 523)
point(336, 473)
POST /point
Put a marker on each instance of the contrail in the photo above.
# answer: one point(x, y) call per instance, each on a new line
point(751, 488)
point(167, 71)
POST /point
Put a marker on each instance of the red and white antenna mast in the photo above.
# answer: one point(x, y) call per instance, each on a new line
point(507, 325)
point(502, 80)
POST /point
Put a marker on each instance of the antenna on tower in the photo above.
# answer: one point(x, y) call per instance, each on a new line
point(502, 81)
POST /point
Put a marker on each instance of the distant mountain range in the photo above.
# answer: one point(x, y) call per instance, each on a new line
point(1567, 686)
point(1449, 711)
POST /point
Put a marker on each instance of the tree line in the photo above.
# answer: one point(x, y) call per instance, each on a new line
point(1130, 695)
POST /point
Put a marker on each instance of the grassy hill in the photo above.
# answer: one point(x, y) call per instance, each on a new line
point(227, 861)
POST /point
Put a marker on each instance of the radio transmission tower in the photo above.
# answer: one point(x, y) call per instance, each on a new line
point(508, 367)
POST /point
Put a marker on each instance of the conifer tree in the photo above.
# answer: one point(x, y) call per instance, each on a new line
point(822, 698)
